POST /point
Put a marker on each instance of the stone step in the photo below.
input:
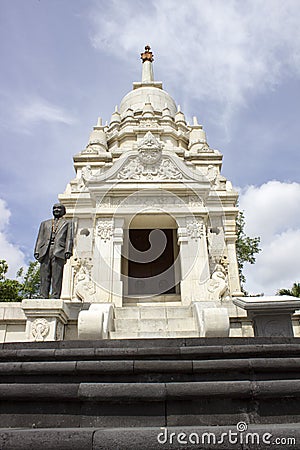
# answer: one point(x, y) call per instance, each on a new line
point(155, 324)
point(146, 382)
point(82, 368)
point(144, 437)
point(153, 312)
point(148, 299)
point(153, 334)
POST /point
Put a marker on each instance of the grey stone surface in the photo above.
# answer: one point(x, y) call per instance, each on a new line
point(146, 438)
point(273, 325)
point(46, 439)
point(186, 391)
point(163, 366)
point(73, 353)
point(116, 367)
point(151, 384)
point(122, 391)
point(271, 315)
point(35, 392)
point(132, 414)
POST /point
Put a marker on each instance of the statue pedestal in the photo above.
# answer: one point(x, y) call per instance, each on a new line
point(46, 319)
point(271, 315)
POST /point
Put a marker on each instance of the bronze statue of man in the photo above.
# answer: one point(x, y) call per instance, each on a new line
point(53, 247)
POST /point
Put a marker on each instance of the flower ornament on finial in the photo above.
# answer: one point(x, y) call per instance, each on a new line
point(147, 55)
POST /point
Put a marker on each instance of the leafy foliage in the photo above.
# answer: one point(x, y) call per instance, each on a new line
point(294, 291)
point(17, 290)
point(9, 289)
point(246, 247)
point(30, 280)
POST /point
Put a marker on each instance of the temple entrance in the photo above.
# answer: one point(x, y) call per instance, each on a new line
point(150, 262)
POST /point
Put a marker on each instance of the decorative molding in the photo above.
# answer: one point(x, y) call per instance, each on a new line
point(150, 149)
point(216, 243)
point(90, 150)
point(40, 328)
point(87, 173)
point(104, 229)
point(150, 200)
point(195, 228)
point(143, 167)
point(212, 174)
point(274, 327)
point(217, 286)
point(84, 287)
point(164, 169)
point(194, 200)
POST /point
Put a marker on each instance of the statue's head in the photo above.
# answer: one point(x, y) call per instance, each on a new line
point(59, 210)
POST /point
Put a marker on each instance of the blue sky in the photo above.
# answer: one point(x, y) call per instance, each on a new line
point(235, 65)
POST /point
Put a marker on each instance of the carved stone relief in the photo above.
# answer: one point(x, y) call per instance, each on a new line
point(135, 169)
point(212, 174)
point(40, 329)
point(150, 149)
point(217, 286)
point(216, 244)
point(104, 229)
point(195, 228)
point(84, 287)
point(142, 200)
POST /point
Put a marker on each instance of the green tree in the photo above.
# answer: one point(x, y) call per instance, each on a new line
point(246, 247)
point(16, 290)
point(9, 289)
point(294, 291)
point(30, 281)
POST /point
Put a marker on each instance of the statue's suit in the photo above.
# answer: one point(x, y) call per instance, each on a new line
point(52, 257)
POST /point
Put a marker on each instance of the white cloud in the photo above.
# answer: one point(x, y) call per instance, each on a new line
point(37, 109)
point(220, 51)
point(14, 257)
point(23, 112)
point(272, 212)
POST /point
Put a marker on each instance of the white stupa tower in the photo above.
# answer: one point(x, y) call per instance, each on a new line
point(155, 219)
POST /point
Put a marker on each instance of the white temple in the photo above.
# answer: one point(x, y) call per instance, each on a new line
point(155, 218)
point(155, 233)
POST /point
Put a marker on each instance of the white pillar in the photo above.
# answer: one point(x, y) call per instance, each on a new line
point(147, 72)
point(193, 258)
point(117, 284)
point(103, 259)
point(233, 272)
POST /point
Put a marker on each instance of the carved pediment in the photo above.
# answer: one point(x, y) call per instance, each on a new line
point(148, 163)
point(137, 169)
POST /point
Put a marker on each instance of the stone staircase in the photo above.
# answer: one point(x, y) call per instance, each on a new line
point(156, 321)
point(120, 394)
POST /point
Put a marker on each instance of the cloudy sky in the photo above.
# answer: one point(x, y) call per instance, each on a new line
point(234, 64)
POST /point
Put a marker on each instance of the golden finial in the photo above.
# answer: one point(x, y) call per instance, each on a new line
point(147, 55)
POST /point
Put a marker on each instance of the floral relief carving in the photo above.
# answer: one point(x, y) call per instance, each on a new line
point(137, 170)
point(195, 228)
point(104, 229)
point(40, 329)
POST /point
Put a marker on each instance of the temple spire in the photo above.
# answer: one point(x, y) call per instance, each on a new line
point(147, 70)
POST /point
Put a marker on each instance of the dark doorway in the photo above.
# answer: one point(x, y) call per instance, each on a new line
point(151, 262)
